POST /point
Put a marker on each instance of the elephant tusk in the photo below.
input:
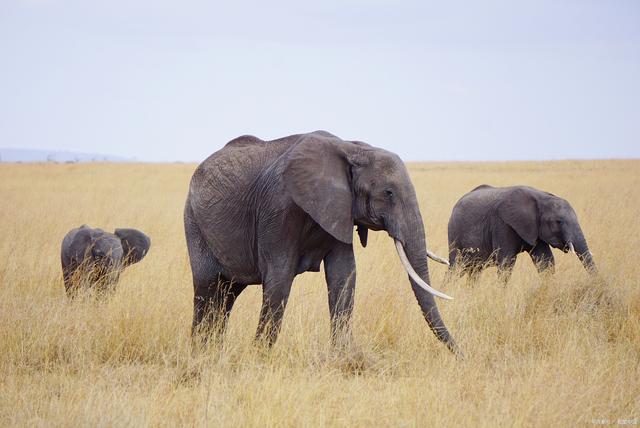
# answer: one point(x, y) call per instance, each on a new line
point(412, 273)
point(437, 258)
point(571, 249)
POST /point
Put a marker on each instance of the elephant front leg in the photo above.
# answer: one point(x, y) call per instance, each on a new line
point(340, 273)
point(275, 294)
point(543, 257)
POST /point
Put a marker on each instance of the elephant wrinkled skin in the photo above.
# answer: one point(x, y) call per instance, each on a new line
point(261, 212)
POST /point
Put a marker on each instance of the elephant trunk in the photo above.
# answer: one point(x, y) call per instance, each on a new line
point(583, 253)
point(414, 249)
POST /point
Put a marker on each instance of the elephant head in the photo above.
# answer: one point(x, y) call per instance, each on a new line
point(105, 250)
point(135, 245)
point(341, 184)
point(537, 215)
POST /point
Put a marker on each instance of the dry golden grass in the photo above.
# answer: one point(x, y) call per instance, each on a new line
point(561, 350)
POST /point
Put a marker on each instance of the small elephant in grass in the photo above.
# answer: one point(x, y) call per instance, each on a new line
point(491, 225)
point(262, 212)
point(99, 257)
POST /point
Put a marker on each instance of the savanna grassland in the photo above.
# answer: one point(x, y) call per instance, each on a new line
point(560, 350)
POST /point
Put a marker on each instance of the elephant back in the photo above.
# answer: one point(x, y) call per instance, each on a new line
point(223, 194)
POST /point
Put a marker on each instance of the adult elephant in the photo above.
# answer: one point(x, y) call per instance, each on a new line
point(492, 225)
point(261, 212)
point(94, 258)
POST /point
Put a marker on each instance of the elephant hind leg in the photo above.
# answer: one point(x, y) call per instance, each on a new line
point(453, 267)
point(69, 286)
point(214, 294)
point(453, 256)
point(212, 304)
point(70, 280)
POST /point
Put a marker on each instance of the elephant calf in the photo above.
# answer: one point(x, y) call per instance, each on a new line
point(492, 225)
point(98, 256)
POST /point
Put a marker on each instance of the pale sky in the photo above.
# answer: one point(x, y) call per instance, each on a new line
point(431, 80)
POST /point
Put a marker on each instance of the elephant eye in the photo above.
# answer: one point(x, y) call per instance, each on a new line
point(388, 194)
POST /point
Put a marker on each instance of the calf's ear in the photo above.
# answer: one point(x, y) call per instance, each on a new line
point(135, 245)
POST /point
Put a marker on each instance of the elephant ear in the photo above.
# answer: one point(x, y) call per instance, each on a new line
point(135, 245)
point(317, 176)
point(520, 211)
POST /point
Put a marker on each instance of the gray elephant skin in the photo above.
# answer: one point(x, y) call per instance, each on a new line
point(262, 212)
point(99, 256)
point(492, 225)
